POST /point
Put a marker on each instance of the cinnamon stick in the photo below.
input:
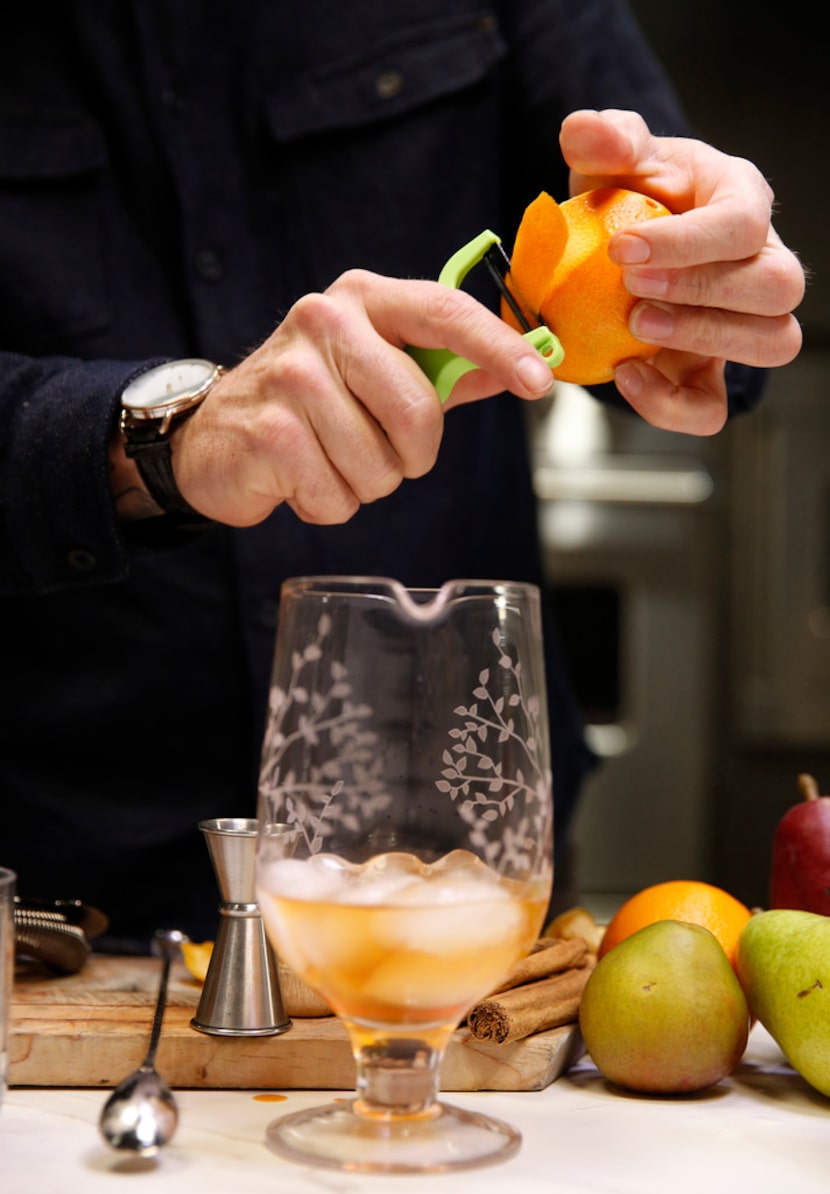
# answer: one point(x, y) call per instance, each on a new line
point(532, 1007)
point(550, 956)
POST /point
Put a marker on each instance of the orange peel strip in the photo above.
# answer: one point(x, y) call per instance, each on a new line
point(540, 243)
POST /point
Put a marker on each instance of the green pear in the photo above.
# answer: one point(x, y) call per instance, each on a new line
point(664, 1012)
point(783, 963)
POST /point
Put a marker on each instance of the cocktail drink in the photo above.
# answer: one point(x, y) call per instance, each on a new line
point(396, 944)
point(404, 857)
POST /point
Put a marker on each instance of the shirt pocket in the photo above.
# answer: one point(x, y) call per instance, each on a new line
point(396, 74)
point(365, 143)
point(52, 281)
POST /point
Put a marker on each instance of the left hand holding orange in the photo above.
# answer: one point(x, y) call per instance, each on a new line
point(713, 284)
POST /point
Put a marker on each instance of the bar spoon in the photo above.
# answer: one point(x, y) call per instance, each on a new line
point(141, 1114)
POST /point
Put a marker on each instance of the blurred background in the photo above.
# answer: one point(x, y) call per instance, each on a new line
point(692, 577)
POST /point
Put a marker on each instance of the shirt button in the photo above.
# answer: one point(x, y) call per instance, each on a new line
point(389, 84)
point(81, 560)
point(209, 265)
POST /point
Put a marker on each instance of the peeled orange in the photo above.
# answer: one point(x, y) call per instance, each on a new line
point(561, 269)
point(680, 899)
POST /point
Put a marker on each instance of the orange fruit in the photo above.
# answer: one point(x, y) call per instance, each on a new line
point(561, 269)
point(197, 957)
point(680, 899)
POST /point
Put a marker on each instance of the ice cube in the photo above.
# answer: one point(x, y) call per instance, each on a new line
point(422, 981)
point(450, 928)
point(301, 879)
point(383, 889)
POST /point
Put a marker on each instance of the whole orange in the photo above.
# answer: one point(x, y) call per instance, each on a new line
point(561, 269)
point(680, 899)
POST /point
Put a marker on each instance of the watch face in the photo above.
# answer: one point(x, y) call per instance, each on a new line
point(171, 385)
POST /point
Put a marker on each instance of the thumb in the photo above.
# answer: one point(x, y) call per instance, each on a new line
point(605, 147)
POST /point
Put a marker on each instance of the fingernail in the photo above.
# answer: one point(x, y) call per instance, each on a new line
point(628, 249)
point(629, 379)
point(534, 374)
point(652, 322)
point(647, 283)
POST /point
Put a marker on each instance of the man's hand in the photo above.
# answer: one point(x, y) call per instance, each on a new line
point(716, 282)
point(330, 412)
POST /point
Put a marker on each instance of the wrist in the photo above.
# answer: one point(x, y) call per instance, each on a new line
point(154, 406)
point(130, 496)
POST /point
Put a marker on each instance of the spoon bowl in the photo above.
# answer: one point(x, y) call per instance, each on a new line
point(141, 1113)
point(140, 1116)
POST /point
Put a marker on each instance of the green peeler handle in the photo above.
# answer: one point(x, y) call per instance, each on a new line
point(444, 368)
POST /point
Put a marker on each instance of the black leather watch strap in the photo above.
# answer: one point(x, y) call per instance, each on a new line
point(154, 458)
point(153, 404)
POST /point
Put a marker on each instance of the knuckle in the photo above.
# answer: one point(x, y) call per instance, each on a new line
point(754, 228)
point(712, 339)
point(379, 486)
point(325, 500)
point(305, 309)
point(343, 509)
point(712, 419)
point(350, 292)
point(321, 317)
point(352, 279)
point(787, 281)
point(779, 344)
point(422, 463)
point(417, 419)
point(299, 371)
point(418, 432)
point(766, 196)
point(321, 517)
point(287, 433)
point(794, 338)
point(695, 286)
point(445, 305)
point(754, 175)
point(764, 186)
point(707, 332)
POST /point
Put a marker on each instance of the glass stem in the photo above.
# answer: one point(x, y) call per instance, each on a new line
point(397, 1076)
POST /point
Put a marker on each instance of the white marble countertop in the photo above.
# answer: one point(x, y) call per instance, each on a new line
point(762, 1130)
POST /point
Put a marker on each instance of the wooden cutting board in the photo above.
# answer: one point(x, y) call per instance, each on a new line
point(92, 1029)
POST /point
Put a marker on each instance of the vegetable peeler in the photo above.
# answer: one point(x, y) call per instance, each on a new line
point(444, 368)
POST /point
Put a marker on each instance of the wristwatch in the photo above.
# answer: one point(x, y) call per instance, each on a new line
point(152, 404)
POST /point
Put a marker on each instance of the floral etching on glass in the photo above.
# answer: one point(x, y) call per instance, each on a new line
point(491, 765)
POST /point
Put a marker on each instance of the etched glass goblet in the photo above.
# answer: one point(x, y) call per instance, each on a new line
point(404, 853)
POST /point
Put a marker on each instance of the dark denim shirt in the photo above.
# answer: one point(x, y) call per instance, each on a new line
point(173, 176)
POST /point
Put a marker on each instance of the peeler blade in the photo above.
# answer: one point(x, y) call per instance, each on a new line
point(498, 264)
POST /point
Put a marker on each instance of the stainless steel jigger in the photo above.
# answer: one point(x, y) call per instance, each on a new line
point(241, 995)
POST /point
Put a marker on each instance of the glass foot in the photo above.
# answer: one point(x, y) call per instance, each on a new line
point(338, 1137)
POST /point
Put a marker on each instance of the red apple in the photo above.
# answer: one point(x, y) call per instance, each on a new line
point(800, 872)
